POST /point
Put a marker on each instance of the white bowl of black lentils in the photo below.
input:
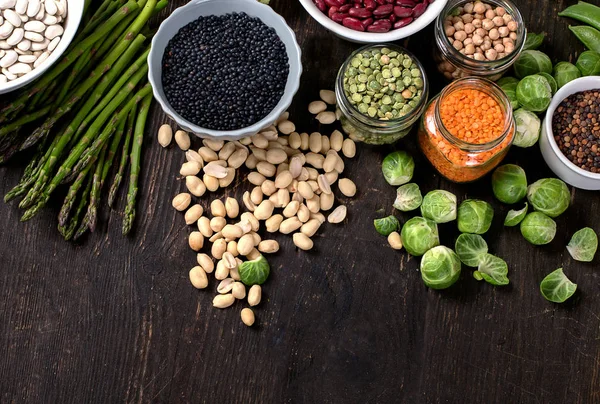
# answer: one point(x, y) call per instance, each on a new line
point(570, 140)
point(224, 69)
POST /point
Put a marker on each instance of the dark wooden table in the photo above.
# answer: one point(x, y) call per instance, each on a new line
point(114, 319)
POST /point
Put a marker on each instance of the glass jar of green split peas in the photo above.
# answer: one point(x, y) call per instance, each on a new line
point(381, 91)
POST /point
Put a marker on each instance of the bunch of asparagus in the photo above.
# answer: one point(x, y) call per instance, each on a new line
point(85, 111)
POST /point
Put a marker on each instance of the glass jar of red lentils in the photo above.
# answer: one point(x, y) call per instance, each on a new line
point(467, 129)
point(456, 63)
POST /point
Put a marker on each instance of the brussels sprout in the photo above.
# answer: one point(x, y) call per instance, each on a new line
point(528, 127)
point(493, 270)
point(398, 168)
point(538, 228)
point(440, 267)
point(439, 206)
point(386, 225)
point(254, 272)
point(534, 93)
point(475, 216)
point(588, 63)
point(565, 72)
point(549, 195)
point(556, 287)
point(533, 41)
point(471, 249)
point(551, 81)
point(408, 197)
point(509, 86)
point(419, 235)
point(532, 62)
point(509, 183)
point(514, 217)
point(583, 245)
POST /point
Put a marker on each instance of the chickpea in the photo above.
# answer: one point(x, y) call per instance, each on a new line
point(478, 16)
point(498, 21)
point(507, 18)
point(499, 48)
point(470, 28)
point(467, 18)
point(481, 32)
point(479, 7)
point(488, 6)
point(509, 48)
point(506, 40)
point(500, 11)
point(468, 7)
point(497, 42)
point(470, 49)
point(458, 45)
point(459, 26)
point(468, 41)
point(478, 56)
point(456, 19)
point(512, 26)
point(494, 34)
point(501, 55)
point(450, 30)
point(503, 31)
point(476, 23)
point(487, 24)
point(513, 36)
point(491, 54)
point(460, 35)
point(462, 51)
point(478, 49)
point(477, 40)
point(486, 45)
point(489, 14)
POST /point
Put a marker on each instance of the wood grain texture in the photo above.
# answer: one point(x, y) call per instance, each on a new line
point(114, 319)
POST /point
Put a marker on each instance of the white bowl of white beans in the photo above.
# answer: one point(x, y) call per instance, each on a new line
point(34, 34)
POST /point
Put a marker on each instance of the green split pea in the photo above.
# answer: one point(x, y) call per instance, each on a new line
point(383, 84)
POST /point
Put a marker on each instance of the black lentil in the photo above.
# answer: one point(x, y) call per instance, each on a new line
point(225, 72)
point(576, 129)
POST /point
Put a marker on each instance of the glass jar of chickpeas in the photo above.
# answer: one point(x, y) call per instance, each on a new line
point(467, 129)
point(476, 38)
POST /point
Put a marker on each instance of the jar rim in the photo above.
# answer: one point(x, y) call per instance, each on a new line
point(342, 99)
point(491, 89)
point(467, 62)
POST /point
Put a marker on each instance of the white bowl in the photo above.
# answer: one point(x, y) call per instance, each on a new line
point(556, 160)
point(71, 25)
point(351, 35)
point(190, 12)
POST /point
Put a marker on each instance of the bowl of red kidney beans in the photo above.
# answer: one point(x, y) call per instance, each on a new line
point(374, 21)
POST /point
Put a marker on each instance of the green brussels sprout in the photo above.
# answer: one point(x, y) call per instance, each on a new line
point(419, 235)
point(533, 41)
point(549, 195)
point(471, 248)
point(556, 287)
point(408, 197)
point(534, 93)
point(532, 62)
point(565, 72)
point(493, 270)
point(398, 168)
point(551, 81)
point(509, 183)
point(528, 128)
point(588, 63)
point(254, 272)
point(583, 245)
point(538, 228)
point(475, 216)
point(509, 86)
point(386, 225)
point(514, 217)
point(440, 267)
point(439, 206)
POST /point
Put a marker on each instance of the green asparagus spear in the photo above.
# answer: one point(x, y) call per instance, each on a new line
point(68, 231)
point(124, 158)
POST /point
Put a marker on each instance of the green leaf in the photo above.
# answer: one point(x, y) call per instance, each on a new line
point(556, 287)
point(471, 249)
point(254, 272)
point(408, 197)
point(514, 217)
point(386, 225)
point(583, 245)
point(533, 40)
point(493, 270)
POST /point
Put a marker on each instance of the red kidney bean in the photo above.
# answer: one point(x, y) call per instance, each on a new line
point(321, 5)
point(370, 4)
point(345, 8)
point(353, 23)
point(406, 3)
point(378, 28)
point(332, 11)
point(360, 12)
point(366, 22)
point(339, 17)
point(390, 1)
point(419, 9)
point(333, 3)
point(392, 18)
point(403, 22)
point(381, 2)
point(383, 10)
point(403, 12)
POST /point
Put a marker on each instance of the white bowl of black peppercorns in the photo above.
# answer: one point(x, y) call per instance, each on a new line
point(224, 69)
point(570, 140)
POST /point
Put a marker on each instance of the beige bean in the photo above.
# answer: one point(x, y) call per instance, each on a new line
point(245, 226)
point(217, 208)
point(251, 162)
point(304, 141)
point(193, 155)
point(254, 254)
point(302, 241)
point(303, 213)
point(290, 225)
point(349, 148)
point(339, 165)
point(198, 278)
point(314, 204)
point(325, 144)
point(217, 223)
point(227, 150)
point(268, 188)
point(216, 237)
point(182, 201)
point(283, 198)
point(260, 154)
point(222, 272)
point(323, 184)
point(195, 185)
point(338, 215)
point(250, 218)
point(283, 179)
point(165, 135)
point(264, 210)
point(294, 140)
point(283, 117)
point(232, 231)
point(204, 226)
point(211, 183)
point(215, 145)
point(286, 127)
point(196, 241)
point(318, 216)
point(190, 168)
point(276, 156)
point(237, 158)
point(232, 207)
point(208, 154)
point(305, 190)
point(295, 167)
point(239, 290)
point(218, 248)
point(247, 316)
point(265, 168)
point(205, 262)
point(248, 202)
point(229, 260)
point(310, 228)
point(256, 196)
point(254, 295)
point(260, 141)
point(330, 161)
point(193, 214)
point(268, 246)
point(326, 201)
point(183, 140)
point(336, 140)
point(304, 175)
point(328, 96)
point(347, 187)
point(223, 301)
point(326, 117)
point(245, 244)
point(228, 179)
point(314, 142)
point(256, 178)
point(256, 238)
point(291, 209)
point(216, 169)
point(272, 224)
point(272, 135)
point(395, 241)
point(225, 286)
point(317, 106)
point(332, 177)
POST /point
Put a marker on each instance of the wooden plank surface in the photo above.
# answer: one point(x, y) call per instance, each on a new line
point(114, 319)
